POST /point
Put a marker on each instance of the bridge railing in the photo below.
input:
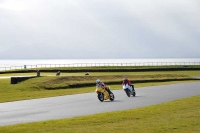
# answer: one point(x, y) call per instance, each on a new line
point(99, 64)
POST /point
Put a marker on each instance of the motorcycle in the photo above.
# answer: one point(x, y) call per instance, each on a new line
point(129, 89)
point(102, 94)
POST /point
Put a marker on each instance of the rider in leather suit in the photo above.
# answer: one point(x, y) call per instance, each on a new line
point(126, 81)
point(100, 84)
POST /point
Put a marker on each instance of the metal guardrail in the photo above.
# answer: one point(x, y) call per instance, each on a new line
point(98, 64)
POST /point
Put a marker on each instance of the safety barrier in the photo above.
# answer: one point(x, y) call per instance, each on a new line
point(25, 67)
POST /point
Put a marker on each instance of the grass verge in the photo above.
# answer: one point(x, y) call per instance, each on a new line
point(126, 68)
point(48, 86)
point(179, 116)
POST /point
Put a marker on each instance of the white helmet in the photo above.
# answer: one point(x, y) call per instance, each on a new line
point(98, 81)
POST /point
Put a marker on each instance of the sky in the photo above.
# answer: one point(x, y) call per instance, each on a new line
point(104, 29)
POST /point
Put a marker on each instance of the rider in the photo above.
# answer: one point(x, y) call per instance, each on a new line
point(100, 84)
point(126, 81)
point(58, 73)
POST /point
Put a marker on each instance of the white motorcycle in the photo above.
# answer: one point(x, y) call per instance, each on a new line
point(129, 89)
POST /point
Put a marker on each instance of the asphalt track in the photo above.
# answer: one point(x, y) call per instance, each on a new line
point(86, 104)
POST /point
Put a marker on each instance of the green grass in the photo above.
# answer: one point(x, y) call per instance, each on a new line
point(44, 86)
point(8, 95)
point(179, 116)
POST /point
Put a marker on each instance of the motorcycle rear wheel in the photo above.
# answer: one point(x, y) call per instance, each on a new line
point(134, 93)
point(112, 96)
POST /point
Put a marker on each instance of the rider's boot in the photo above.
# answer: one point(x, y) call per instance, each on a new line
point(108, 90)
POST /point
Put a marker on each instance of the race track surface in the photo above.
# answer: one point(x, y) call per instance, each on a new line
point(86, 104)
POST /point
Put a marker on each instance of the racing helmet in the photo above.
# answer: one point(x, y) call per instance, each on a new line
point(98, 81)
point(124, 79)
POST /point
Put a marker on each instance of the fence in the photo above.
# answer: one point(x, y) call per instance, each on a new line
point(99, 64)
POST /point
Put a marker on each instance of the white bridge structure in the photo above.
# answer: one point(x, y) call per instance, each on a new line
point(37, 66)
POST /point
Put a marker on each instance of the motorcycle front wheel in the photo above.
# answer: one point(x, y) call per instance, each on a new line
point(128, 93)
point(100, 97)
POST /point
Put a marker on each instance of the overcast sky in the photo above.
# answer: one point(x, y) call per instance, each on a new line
point(84, 29)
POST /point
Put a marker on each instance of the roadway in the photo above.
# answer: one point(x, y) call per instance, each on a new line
point(86, 104)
